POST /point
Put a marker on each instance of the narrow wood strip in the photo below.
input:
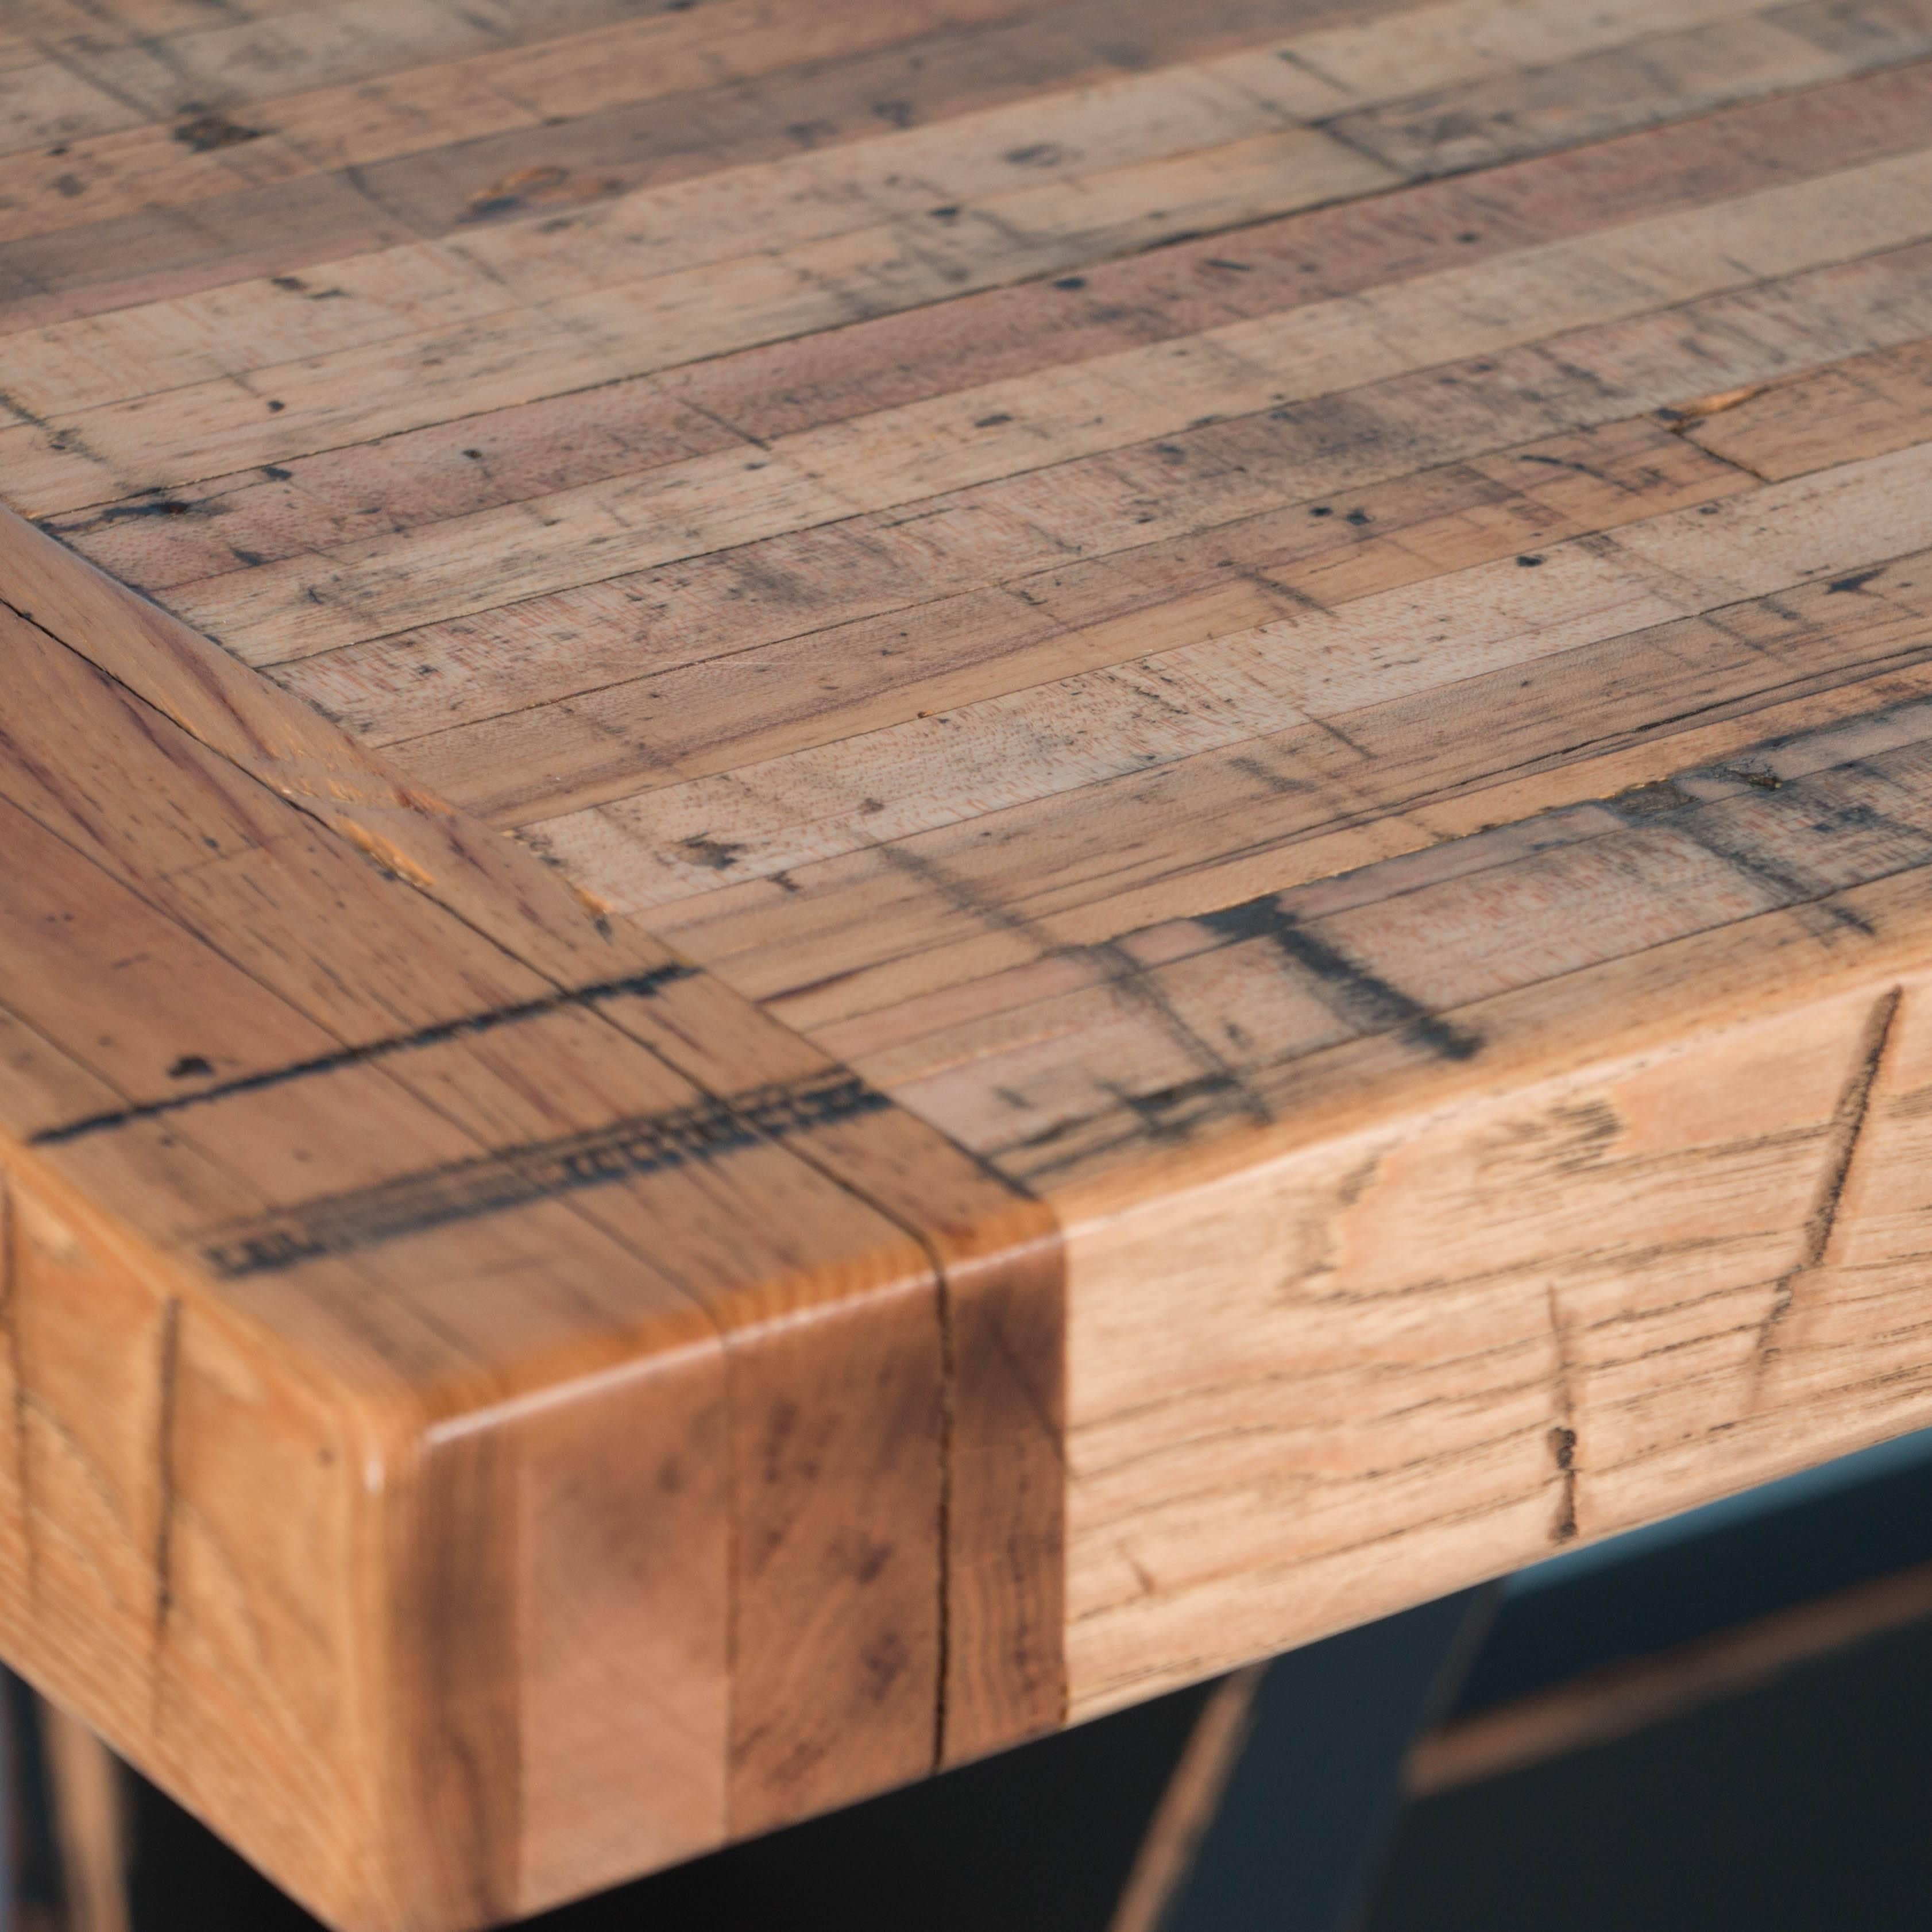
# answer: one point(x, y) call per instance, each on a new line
point(455, 1630)
point(1691, 65)
point(1864, 406)
point(234, 63)
point(42, 104)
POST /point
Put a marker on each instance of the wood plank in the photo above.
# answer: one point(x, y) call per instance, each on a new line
point(1692, 65)
point(1864, 406)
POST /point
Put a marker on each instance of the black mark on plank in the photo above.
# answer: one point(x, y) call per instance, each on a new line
point(1563, 1448)
point(1736, 845)
point(1358, 996)
point(494, 1184)
point(191, 1064)
point(207, 132)
point(715, 855)
point(1171, 1113)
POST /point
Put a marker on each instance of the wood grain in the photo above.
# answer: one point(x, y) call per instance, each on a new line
point(870, 872)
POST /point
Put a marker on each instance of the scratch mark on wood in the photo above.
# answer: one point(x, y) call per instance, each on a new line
point(1563, 1430)
point(1847, 1132)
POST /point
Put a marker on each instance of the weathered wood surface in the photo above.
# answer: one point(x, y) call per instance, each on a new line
point(965, 853)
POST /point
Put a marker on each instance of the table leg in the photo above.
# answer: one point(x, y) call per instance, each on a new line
point(63, 1852)
point(1279, 1811)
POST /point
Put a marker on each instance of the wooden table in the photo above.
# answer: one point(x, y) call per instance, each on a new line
point(872, 869)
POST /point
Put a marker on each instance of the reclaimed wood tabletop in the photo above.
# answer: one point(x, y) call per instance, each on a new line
point(873, 869)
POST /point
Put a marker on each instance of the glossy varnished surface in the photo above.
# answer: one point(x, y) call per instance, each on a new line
point(1126, 804)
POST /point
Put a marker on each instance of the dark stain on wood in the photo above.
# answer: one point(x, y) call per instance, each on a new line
point(467, 1190)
